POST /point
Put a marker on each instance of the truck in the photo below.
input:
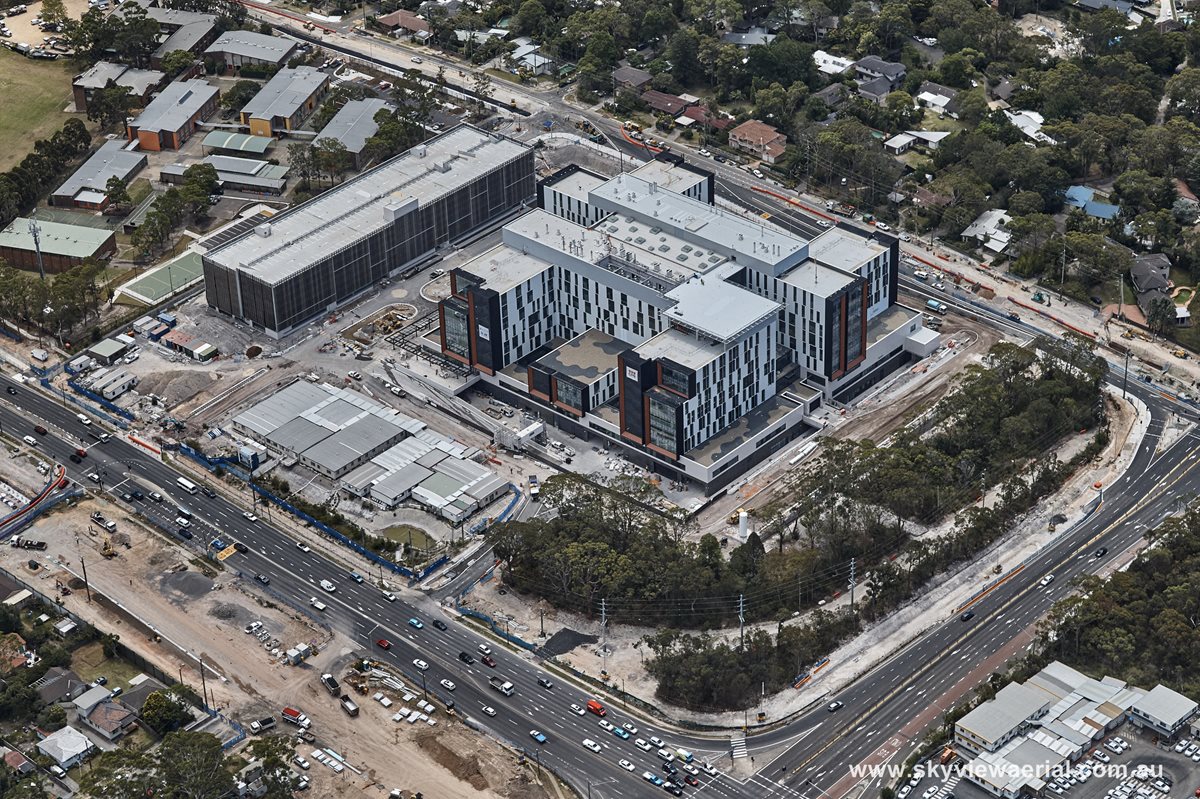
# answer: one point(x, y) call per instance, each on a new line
point(262, 725)
point(502, 685)
point(348, 705)
point(293, 716)
point(331, 684)
point(28, 543)
point(534, 488)
point(936, 306)
point(595, 707)
point(843, 209)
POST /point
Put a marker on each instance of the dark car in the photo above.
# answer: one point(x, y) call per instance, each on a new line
point(127, 496)
point(138, 495)
point(489, 661)
point(39, 429)
point(1101, 552)
point(208, 492)
point(184, 533)
point(10, 389)
point(384, 643)
point(262, 578)
point(542, 681)
point(75, 458)
point(465, 658)
point(690, 780)
point(240, 547)
point(669, 769)
point(441, 625)
point(970, 614)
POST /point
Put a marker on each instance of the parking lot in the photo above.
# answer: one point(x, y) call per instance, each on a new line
point(1126, 765)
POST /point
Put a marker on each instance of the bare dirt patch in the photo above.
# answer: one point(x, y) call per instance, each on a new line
point(465, 768)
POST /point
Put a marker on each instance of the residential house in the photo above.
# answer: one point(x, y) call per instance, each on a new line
point(87, 187)
point(923, 139)
point(67, 747)
point(16, 762)
point(833, 95)
point(665, 103)
point(1151, 278)
point(140, 82)
point(1083, 198)
point(754, 37)
point(631, 78)
point(242, 48)
point(698, 114)
point(1030, 123)
point(173, 115)
point(872, 67)
point(942, 99)
point(12, 653)
point(990, 230)
point(479, 37)
point(829, 64)
point(759, 139)
point(405, 24)
point(58, 685)
point(135, 697)
point(110, 719)
point(899, 144)
point(354, 124)
point(1120, 6)
point(286, 101)
point(527, 57)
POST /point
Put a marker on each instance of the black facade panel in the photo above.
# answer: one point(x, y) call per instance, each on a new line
point(635, 377)
point(539, 380)
point(489, 350)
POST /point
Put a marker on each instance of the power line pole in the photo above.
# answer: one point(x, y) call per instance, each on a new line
point(742, 619)
point(851, 585)
point(604, 635)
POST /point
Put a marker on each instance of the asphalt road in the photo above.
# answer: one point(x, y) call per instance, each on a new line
point(362, 612)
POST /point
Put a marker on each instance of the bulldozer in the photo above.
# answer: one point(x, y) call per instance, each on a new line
point(106, 549)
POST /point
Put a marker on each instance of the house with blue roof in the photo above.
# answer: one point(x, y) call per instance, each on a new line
point(1083, 198)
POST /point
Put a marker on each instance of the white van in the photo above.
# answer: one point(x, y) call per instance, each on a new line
point(328, 586)
point(83, 418)
point(317, 604)
point(30, 440)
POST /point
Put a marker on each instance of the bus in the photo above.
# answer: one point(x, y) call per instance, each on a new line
point(186, 485)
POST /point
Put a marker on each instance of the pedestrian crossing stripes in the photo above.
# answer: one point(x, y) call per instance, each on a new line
point(738, 746)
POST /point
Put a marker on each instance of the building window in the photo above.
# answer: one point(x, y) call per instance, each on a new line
point(568, 394)
point(458, 337)
point(662, 426)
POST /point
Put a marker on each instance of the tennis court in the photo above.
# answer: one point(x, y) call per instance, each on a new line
point(163, 281)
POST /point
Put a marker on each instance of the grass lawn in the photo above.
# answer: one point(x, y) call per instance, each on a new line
point(931, 122)
point(403, 533)
point(89, 663)
point(35, 93)
point(139, 190)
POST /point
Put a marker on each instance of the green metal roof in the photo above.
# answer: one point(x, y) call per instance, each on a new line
point(56, 238)
point(241, 142)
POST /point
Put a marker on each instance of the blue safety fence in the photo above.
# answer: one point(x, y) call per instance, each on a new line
point(238, 730)
point(101, 401)
point(483, 524)
point(375, 558)
point(488, 620)
point(121, 423)
point(5, 330)
point(12, 526)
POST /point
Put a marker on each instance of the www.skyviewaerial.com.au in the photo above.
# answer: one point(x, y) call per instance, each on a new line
point(1003, 772)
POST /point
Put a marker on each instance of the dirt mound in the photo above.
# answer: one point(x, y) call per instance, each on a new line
point(176, 386)
point(464, 768)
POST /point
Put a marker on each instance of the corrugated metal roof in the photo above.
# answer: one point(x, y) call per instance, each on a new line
point(55, 238)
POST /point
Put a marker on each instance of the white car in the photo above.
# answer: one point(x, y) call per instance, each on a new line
point(389, 596)
point(417, 59)
point(903, 792)
point(577, 710)
point(632, 730)
point(625, 764)
point(489, 710)
point(449, 686)
point(248, 516)
point(758, 174)
point(705, 153)
point(420, 664)
point(94, 477)
point(708, 768)
point(905, 237)
point(882, 226)
point(328, 586)
point(606, 726)
point(931, 791)
point(1045, 581)
point(303, 547)
point(643, 745)
point(940, 286)
point(354, 375)
point(590, 744)
point(824, 223)
point(1179, 747)
point(301, 762)
point(659, 742)
point(690, 769)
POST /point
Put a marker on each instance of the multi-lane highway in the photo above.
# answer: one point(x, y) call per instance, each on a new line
point(817, 747)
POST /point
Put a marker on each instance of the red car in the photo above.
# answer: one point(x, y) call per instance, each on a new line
point(489, 661)
point(690, 780)
point(384, 643)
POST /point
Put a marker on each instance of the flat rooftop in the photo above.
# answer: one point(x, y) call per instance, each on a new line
point(285, 93)
point(890, 320)
point(679, 255)
point(669, 176)
point(578, 183)
point(843, 249)
point(746, 427)
point(503, 267)
point(679, 347)
point(718, 308)
point(304, 234)
point(702, 224)
point(585, 358)
point(55, 238)
point(171, 108)
point(818, 279)
point(354, 123)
